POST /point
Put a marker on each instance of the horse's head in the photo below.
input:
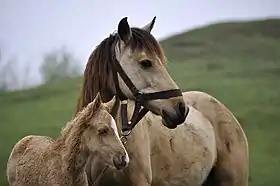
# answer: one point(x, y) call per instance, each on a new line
point(139, 56)
point(142, 59)
point(101, 136)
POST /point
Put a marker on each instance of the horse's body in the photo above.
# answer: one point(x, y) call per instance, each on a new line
point(210, 139)
point(209, 147)
point(42, 161)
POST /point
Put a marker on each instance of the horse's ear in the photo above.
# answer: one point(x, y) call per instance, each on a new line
point(124, 31)
point(109, 105)
point(150, 25)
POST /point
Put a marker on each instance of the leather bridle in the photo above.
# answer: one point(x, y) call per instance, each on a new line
point(140, 98)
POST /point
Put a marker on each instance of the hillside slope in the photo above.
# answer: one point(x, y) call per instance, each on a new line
point(238, 63)
point(229, 40)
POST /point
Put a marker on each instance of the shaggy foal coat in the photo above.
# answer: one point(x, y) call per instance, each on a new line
point(42, 161)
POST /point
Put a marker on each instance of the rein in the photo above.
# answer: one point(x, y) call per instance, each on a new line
point(140, 98)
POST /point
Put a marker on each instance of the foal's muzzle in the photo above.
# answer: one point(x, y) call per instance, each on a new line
point(120, 161)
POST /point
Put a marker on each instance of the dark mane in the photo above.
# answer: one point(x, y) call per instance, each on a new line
point(98, 66)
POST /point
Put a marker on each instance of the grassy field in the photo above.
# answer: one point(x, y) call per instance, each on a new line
point(238, 63)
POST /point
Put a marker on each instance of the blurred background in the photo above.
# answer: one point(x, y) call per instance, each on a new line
point(229, 49)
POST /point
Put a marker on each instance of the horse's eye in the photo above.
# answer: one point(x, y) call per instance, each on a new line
point(145, 64)
point(103, 131)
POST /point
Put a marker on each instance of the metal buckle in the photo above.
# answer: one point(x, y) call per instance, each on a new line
point(126, 132)
point(124, 101)
point(124, 136)
point(124, 139)
point(138, 96)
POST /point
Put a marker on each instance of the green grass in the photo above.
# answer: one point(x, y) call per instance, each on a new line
point(238, 63)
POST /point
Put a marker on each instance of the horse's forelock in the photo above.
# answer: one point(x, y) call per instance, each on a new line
point(143, 40)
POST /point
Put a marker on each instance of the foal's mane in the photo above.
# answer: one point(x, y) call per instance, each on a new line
point(70, 138)
point(82, 118)
point(96, 74)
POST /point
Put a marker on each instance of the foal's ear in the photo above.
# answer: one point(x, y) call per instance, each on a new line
point(124, 30)
point(97, 101)
point(150, 25)
point(109, 105)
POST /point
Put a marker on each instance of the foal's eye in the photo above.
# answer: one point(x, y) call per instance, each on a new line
point(103, 131)
point(145, 64)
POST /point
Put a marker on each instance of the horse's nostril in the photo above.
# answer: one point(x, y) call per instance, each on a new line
point(182, 108)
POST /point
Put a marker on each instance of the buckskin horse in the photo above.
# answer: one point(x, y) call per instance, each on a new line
point(172, 138)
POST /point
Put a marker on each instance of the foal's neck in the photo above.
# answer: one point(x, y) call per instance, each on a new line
point(75, 154)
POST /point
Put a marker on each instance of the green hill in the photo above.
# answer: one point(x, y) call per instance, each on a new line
point(238, 63)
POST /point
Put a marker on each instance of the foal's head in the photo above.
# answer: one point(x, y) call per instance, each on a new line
point(101, 136)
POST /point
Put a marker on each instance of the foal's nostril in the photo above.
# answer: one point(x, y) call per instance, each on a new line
point(123, 162)
point(120, 161)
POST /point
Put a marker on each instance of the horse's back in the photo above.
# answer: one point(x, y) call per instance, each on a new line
point(23, 160)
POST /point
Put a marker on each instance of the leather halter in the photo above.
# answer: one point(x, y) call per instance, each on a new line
point(141, 98)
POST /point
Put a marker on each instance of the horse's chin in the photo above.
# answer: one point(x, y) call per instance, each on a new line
point(167, 120)
point(168, 123)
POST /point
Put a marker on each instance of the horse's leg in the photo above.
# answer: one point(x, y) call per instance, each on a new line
point(232, 165)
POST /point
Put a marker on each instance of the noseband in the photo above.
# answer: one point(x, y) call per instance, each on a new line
point(140, 98)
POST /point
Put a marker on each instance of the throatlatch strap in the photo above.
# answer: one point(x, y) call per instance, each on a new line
point(141, 114)
point(117, 86)
point(138, 114)
point(124, 117)
point(137, 108)
point(126, 79)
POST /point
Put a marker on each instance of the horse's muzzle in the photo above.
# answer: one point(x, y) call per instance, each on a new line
point(172, 121)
